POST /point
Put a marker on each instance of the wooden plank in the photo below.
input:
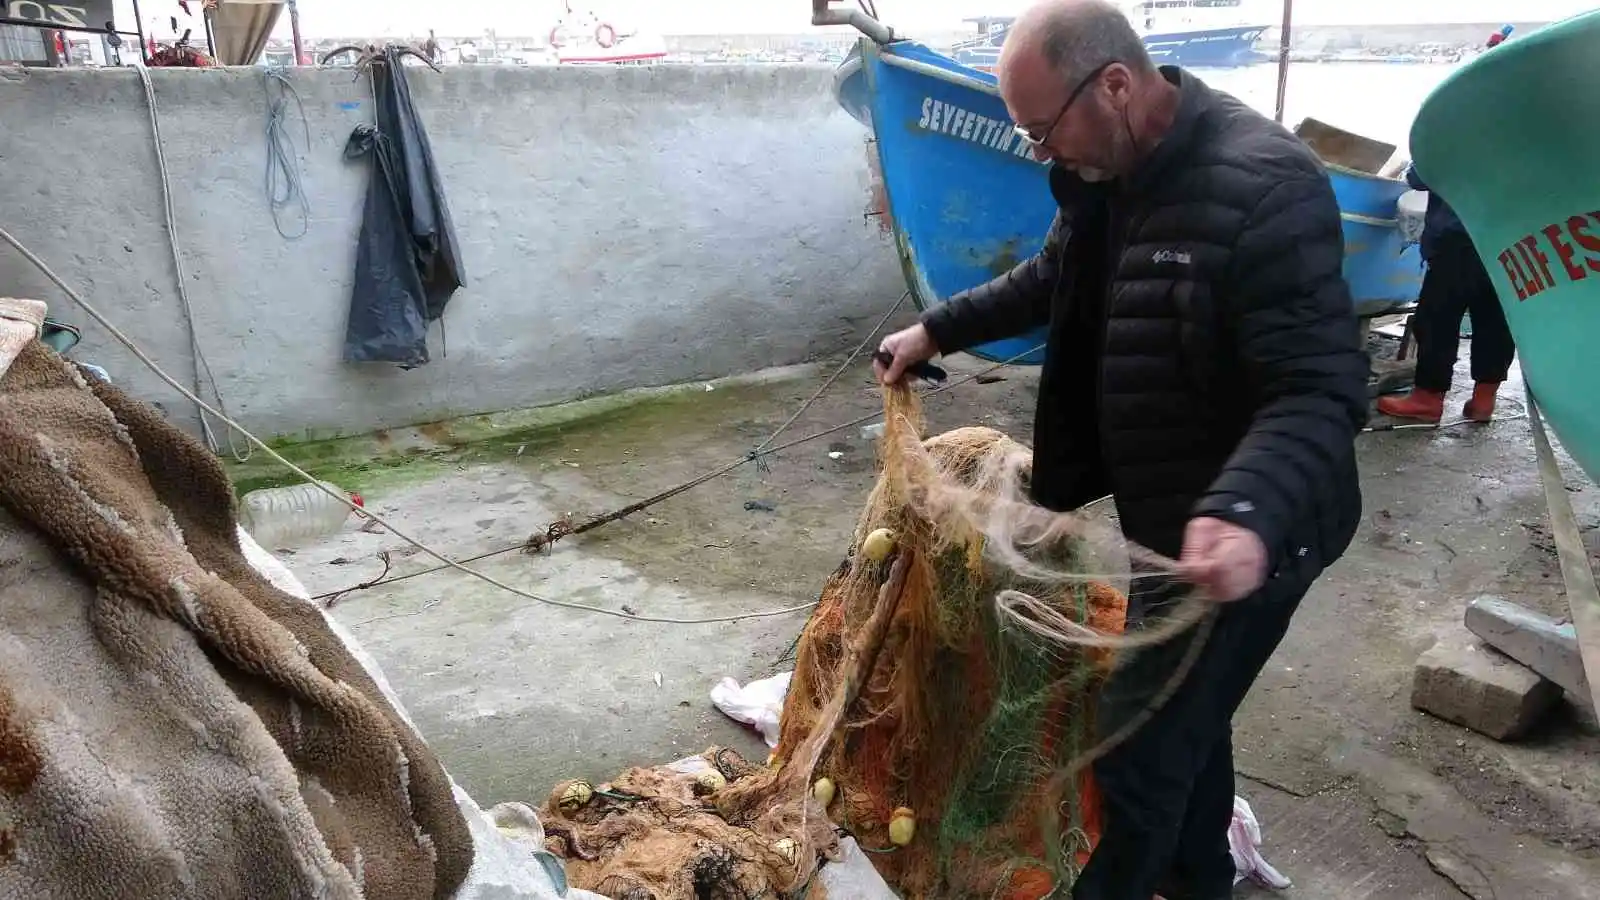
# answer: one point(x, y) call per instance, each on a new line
point(1342, 148)
point(1583, 595)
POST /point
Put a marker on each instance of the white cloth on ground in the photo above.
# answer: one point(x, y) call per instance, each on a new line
point(1244, 842)
point(758, 704)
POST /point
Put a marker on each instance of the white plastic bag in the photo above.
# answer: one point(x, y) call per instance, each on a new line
point(1244, 842)
point(758, 704)
point(1411, 215)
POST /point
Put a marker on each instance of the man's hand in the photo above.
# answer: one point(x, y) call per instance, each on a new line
point(908, 347)
point(1226, 561)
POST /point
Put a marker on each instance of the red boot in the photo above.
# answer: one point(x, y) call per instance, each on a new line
point(1481, 407)
point(1421, 404)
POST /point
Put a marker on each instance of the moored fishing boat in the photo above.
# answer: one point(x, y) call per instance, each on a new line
point(1192, 33)
point(965, 200)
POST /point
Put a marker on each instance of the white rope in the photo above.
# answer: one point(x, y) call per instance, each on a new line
point(201, 364)
point(283, 180)
point(133, 348)
point(848, 360)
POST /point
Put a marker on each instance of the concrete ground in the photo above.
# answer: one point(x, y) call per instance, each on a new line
point(1359, 795)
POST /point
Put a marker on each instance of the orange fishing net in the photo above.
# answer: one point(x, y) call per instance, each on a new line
point(941, 724)
point(964, 718)
point(659, 834)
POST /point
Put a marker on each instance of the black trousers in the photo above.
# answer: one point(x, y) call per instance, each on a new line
point(1455, 283)
point(1168, 790)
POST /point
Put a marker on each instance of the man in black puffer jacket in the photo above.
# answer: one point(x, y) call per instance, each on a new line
point(1204, 366)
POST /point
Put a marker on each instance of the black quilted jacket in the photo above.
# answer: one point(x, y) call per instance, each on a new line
point(1204, 355)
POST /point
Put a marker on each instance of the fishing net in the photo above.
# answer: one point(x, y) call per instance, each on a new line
point(659, 834)
point(940, 709)
point(971, 712)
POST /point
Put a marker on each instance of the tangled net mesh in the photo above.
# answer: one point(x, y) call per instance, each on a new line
point(660, 834)
point(977, 718)
point(949, 682)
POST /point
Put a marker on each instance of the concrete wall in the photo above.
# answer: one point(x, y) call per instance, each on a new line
point(622, 227)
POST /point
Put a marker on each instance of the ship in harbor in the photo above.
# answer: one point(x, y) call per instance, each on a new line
point(1192, 33)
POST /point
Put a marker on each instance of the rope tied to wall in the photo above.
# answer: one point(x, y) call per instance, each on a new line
point(202, 366)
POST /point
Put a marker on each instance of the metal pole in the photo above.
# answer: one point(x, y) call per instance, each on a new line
point(294, 28)
point(821, 14)
point(1283, 57)
point(138, 24)
point(51, 26)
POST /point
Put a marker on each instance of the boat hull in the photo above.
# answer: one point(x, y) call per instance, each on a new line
point(1383, 270)
point(966, 202)
point(1510, 140)
point(1209, 48)
point(1364, 194)
point(965, 198)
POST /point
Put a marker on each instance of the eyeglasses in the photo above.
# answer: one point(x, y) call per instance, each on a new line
point(1036, 139)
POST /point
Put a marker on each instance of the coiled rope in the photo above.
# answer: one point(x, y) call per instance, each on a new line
point(284, 185)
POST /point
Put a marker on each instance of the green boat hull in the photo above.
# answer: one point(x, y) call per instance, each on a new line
point(1512, 140)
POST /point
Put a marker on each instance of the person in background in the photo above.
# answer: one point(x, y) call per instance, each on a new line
point(1456, 283)
point(1204, 367)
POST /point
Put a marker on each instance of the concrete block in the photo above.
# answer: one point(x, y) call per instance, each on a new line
point(1462, 681)
point(1535, 640)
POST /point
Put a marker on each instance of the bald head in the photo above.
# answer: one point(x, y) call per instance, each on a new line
point(1076, 79)
point(1071, 38)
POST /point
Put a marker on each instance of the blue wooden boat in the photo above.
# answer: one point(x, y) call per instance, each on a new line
point(966, 200)
point(1382, 265)
point(1510, 139)
point(1383, 268)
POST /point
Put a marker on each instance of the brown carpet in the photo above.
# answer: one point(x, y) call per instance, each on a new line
point(171, 725)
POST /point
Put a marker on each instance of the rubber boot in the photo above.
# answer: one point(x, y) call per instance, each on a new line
point(1421, 404)
point(1481, 407)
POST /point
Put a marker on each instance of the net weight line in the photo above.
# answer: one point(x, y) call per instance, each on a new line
point(144, 358)
point(564, 528)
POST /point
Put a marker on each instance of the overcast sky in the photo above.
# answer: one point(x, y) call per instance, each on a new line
point(527, 17)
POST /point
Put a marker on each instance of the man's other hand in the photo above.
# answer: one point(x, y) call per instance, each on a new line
point(908, 347)
point(1226, 561)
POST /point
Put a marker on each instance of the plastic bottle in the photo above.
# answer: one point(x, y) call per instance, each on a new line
point(282, 516)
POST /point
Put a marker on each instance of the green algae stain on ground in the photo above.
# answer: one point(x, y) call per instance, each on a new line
point(604, 427)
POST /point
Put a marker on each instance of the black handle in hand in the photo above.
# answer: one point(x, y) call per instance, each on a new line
point(924, 370)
